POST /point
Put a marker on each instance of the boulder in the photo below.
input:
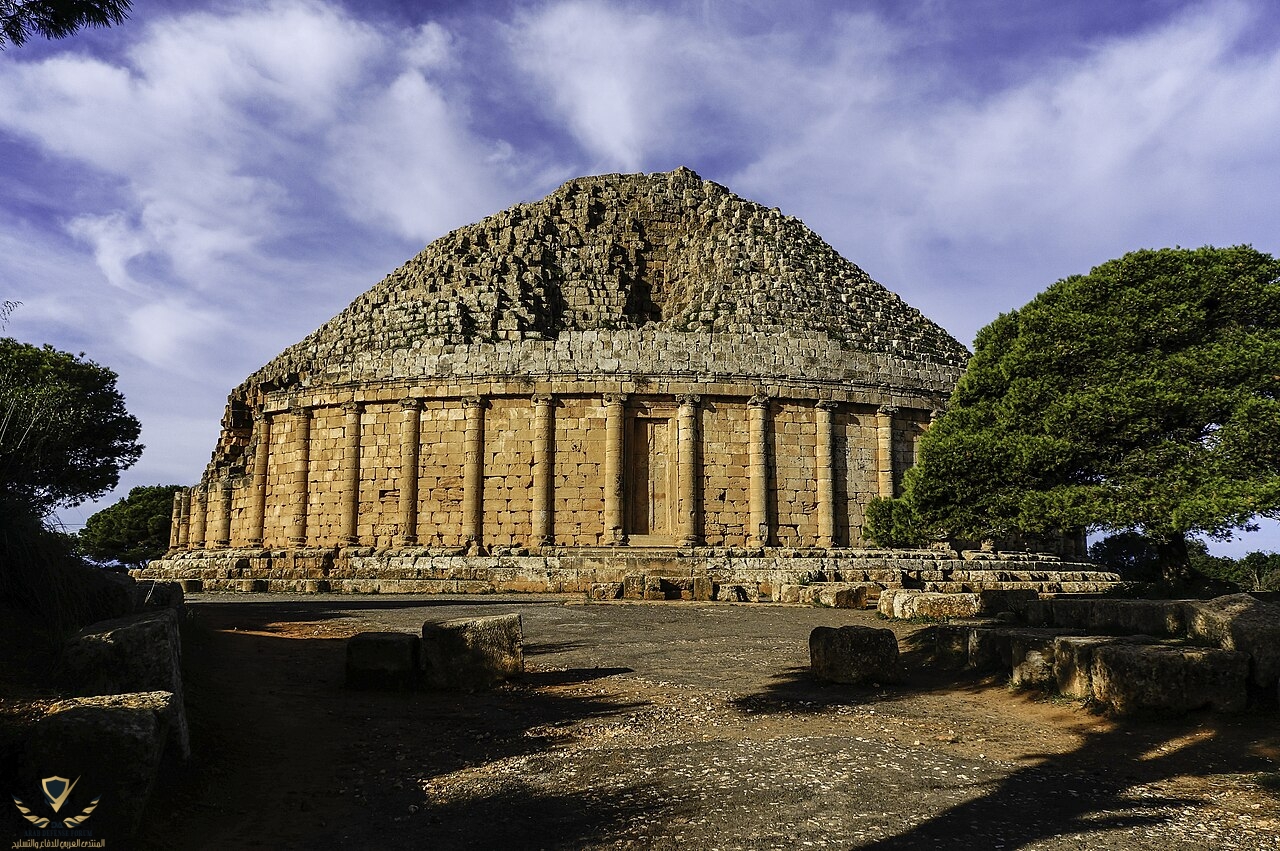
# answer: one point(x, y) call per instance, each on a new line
point(854, 654)
point(1131, 678)
point(138, 653)
point(110, 747)
point(472, 653)
point(1244, 623)
point(383, 660)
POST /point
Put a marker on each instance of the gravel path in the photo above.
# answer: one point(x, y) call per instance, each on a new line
point(675, 725)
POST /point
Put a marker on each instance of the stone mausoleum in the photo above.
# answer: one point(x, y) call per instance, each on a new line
point(637, 376)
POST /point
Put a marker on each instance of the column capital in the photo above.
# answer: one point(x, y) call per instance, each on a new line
point(827, 405)
point(689, 399)
point(615, 398)
point(353, 407)
point(473, 401)
point(299, 410)
point(887, 410)
point(261, 416)
point(543, 398)
point(411, 403)
point(760, 401)
point(935, 415)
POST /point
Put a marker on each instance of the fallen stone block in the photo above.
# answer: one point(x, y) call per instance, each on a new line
point(383, 660)
point(1244, 623)
point(1073, 661)
point(703, 589)
point(999, 649)
point(110, 747)
point(138, 653)
point(1035, 670)
point(633, 586)
point(854, 654)
point(1131, 678)
point(149, 594)
point(737, 594)
point(472, 653)
point(931, 604)
point(790, 593)
point(887, 603)
point(606, 590)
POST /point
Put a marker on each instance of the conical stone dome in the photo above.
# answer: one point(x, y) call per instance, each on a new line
point(627, 276)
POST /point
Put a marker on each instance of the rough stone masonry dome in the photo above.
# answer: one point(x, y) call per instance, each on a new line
point(636, 365)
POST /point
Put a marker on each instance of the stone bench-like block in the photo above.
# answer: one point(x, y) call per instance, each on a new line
point(1073, 660)
point(1131, 678)
point(383, 660)
point(138, 653)
point(112, 746)
point(854, 654)
point(1241, 622)
point(472, 653)
point(907, 604)
point(836, 595)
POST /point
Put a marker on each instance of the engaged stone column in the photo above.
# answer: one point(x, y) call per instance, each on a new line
point(199, 517)
point(298, 486)
point(543, 470)
point(178, 530)
point(258, 487)
point(410, 449)
point(351, 474)
point(614, 473)
point(222, 528)
point(824, 469)
point(758, 471)
point(687, 441)
point(473, 473)
point(884, 454)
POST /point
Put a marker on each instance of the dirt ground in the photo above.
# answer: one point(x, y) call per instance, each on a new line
point(664, 725)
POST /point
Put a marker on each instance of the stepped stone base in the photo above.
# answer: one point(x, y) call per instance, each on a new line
point(688, 573)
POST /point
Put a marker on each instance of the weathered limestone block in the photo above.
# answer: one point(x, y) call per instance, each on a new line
point(1034, 671)
point(1156, 678)
point(138, 653)
point(838, 595)
point(1073, 660)
point(1241, 622)
point(854, 654)
point(191, 586)
point(907, 604)
point(888, 600)
point(737, 594)
point(472, 653)
point(1000, 649)
point(111, 747)
point(149, 594)
point(992, 601)
point(606, 590)
point(383, 660)
point(789, 593)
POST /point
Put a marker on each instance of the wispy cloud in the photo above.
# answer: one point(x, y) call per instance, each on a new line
point(186, 204)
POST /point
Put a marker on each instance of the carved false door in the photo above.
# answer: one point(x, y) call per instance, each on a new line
point(651, 477)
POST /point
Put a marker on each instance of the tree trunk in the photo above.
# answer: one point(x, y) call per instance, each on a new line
point(1175, 561)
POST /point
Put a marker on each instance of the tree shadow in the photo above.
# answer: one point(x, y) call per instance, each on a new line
point(1105, 783)
point(287, 757)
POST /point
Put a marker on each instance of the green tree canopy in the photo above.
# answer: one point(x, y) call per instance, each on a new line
point(1144, 395)
point(21, 19)
point(64, 432)
point(134, 530)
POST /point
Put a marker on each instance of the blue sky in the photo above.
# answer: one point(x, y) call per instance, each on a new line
point(184, 195)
